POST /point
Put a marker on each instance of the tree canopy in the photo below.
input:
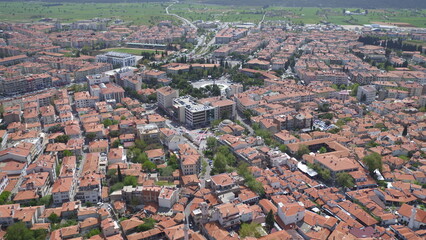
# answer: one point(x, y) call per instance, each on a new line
point(373, 161)
point(345, 180)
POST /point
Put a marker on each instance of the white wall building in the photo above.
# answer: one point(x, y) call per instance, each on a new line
point(168, 197)
point(291, 213)
point(117, 59)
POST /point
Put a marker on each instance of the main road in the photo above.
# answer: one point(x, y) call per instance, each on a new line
point(181, 18)
point(200, 40)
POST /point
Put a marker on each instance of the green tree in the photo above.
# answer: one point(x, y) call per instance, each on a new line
point(404, 132)
point(120, 177)
point(354, 89)
point(173, 161)
point(107, 122)
point(325, 174)
point(346, 180)
point(247, 114)
point(203, 167)
point(140, 144)
point(143, 158)
point(56, 128)
point(68, 153)
point(249, 230)
point(283, 148)
point(112, 176)
point(212, 144)
point(54, 218)
point(62, 138)
point(167, 171)
point(148, 224)
point(219, 164)
point(302, 150)
point(18, 231)
point(116, 143)
point(256, 186)
point(46, 200)
point(373, 161)
point(215, 123)
point(130, 181)
point(91, 136)
point(322, 150)
point(116, 186)
point(152, 97)
point(149, 166)
point(324, 107)
point(114, 134)
point(4, 197)
point(86, 50)
point(92, 233)
point(40, 234)
point(270, 220)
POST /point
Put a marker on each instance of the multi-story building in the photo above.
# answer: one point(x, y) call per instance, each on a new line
point(228, 35)
point(117, 59)
point(224, 109)
point(89, 188)
point(153, 75)
point(22, 84)
point(107, 92)
point(190, 164)
point(4, 181)
point(165, 97)
point(291, 213)
point(3, 138)
point(47, 115)
point(98, 79)
point(63, 190)
point(149, 133)
point(366, 94)
point(168, 197)
point(193, 114)
point(84, 100)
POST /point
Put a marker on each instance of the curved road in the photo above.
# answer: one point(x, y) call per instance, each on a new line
point(181, 18)
point(200, 40)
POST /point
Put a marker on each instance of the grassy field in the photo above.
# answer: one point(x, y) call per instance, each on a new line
point(163, 183)
point(215, 12)
point(138, 13)
point(134, 51)
point(151, 13)
point(416, 18)
point(304, 15)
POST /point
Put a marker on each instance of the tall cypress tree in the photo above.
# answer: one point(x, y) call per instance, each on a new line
point(120, 177)
point(405, 131)
point(270, 220)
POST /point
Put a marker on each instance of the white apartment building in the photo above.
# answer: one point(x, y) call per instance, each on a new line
point(63, 190)
point(168, 197)
point(117, 59)
point(84, 100)
point(366, 94)
point(97, 79)
point(193, 114)
point(291, 213)
point(165, 96)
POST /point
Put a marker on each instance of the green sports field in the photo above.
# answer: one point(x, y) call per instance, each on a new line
point(134, 51)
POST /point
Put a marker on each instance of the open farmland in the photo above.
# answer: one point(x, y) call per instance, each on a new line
point(137, 13)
